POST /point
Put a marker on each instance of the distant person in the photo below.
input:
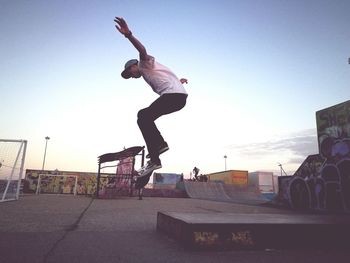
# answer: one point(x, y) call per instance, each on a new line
point(163, 82)
point(196, 172)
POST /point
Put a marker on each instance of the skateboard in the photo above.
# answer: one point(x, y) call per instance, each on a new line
point(141, 181)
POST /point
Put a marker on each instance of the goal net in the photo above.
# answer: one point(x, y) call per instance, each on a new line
point(12, 157)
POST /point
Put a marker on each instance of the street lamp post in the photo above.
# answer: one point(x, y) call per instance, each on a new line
point(46, 138)
point(282, 170)
point(225, 157)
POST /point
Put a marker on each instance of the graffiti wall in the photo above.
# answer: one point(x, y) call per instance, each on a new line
point(118, 184)
point(63, 182)
point(323, 180)
point(333, 124)
point(166, 179)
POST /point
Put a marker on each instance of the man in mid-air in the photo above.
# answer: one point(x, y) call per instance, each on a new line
point(163, 82)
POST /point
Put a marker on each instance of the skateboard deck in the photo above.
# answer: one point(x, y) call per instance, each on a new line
point(141, 181)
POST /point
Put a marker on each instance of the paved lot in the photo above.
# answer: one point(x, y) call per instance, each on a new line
point(50, 228)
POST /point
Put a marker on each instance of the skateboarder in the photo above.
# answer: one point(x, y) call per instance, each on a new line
point(163, 82)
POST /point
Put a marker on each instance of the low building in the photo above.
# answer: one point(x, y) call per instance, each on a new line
point(264, 181)
point(234, 177)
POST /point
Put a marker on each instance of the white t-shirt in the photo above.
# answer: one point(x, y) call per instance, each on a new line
point(160, 78)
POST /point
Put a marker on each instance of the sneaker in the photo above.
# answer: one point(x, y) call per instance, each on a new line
point(149, 168)
point(162, 148)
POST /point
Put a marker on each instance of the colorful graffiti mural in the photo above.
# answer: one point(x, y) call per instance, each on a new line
point(166, 178)
point(119, 184)
point(63, 182)
point(323, 180)
point(333, 122)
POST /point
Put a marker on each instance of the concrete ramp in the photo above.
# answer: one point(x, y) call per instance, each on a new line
point(217, 191)
point(209, 191)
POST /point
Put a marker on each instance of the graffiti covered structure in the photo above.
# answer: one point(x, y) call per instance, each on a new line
point(322, 182)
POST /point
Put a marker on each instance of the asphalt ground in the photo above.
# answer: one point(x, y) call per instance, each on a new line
point(65, 228)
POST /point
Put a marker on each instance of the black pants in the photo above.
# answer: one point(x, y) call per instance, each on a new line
point(165, 104)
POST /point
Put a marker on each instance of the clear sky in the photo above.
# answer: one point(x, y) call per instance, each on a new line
point(257, 70)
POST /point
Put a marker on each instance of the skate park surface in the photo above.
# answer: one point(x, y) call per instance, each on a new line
point(65, 228)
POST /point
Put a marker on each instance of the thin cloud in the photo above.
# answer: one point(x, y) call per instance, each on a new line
point(299, 145)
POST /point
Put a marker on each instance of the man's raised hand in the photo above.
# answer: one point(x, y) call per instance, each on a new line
point(122, 26)
point(183, 81)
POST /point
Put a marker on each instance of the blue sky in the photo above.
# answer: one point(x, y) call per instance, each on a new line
point(257, 70)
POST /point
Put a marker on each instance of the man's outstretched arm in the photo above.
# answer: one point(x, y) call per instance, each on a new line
point(123, 28)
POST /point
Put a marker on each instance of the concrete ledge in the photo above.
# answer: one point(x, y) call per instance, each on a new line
point(228, 231)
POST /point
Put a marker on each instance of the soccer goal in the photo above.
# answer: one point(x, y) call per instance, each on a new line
point(12, 157)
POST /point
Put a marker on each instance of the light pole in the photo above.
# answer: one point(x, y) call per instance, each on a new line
point(282, 170)
point(225, 157)
point(46, 138)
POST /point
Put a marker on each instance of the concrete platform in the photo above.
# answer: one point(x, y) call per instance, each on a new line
point(222, 231)
point(78, 229)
